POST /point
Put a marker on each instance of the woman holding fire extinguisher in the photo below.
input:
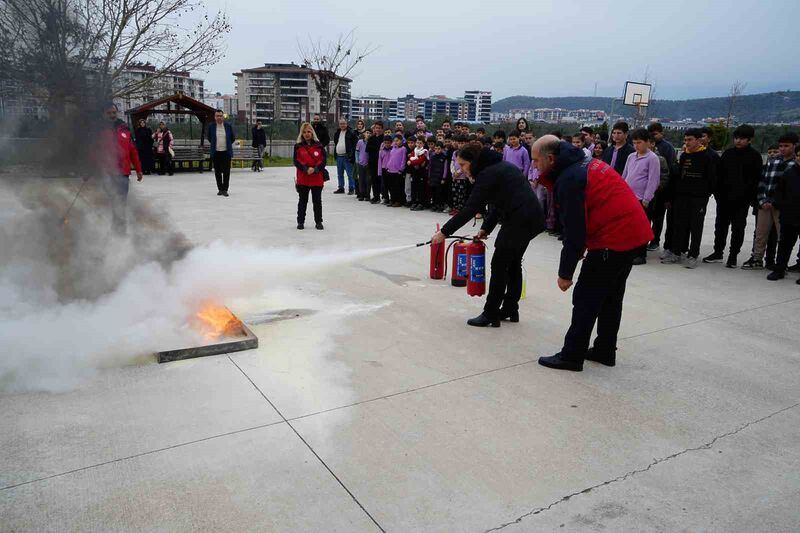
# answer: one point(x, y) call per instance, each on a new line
point(515, 207)
point(310, 158)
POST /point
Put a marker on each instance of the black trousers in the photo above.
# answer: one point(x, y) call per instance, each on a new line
point(597, 297)
point(733, 215)
point(363, 182)
point(505, 282)
point(395, 185)
point(437, 195)
point(375, 183)
point(222, 170)
point(789, 234)
point(418, 179)
point(658, 211)
point(302, 203)
point(689, 213)
point(165, 164)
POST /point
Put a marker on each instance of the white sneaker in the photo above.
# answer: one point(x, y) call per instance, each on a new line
point(671, 259)
point(691, 262)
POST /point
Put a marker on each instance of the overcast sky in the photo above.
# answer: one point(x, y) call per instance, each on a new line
point(691, 48)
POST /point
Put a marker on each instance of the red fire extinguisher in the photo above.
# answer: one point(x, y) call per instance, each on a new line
point(437, 259)
point(476, 268)
point(458, 277)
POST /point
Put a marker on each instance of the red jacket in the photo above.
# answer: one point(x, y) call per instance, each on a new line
point(119, 151)
point(310, 156)
point(598, 209)
point(420, 161)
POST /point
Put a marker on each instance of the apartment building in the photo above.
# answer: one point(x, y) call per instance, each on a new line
point(171, 83)
point(285, 92)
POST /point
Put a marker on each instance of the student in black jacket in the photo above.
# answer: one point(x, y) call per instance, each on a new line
point(738, 172)
point(689, 193)
point(374, 144)
point(787, 201)
point(515, 206)
point(259, 143)
point(619, 149)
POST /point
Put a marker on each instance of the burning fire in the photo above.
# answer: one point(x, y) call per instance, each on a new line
point(216, 321)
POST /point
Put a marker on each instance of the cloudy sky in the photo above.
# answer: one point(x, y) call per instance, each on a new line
point(540, 48)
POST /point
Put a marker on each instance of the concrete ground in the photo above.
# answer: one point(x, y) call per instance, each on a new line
point(377, 409)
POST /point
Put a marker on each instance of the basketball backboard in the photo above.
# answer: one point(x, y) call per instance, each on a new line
point(637, 94)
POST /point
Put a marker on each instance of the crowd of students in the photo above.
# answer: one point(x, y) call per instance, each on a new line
point(419, 170)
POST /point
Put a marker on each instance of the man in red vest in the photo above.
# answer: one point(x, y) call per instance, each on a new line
point(602, 219)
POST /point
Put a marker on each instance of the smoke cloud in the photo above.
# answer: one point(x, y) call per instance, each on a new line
point(77, 297)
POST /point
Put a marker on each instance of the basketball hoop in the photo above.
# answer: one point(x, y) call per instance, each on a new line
point(637, 95)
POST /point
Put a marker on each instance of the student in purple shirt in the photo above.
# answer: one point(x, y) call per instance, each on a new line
point(395, 166)
point(516, 154)
point(642, 174)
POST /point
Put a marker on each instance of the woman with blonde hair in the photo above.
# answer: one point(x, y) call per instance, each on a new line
point(309, 159)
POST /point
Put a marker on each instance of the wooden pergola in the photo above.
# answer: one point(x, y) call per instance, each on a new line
point(176, 104)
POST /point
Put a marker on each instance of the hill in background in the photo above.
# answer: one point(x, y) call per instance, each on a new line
point(766, 107)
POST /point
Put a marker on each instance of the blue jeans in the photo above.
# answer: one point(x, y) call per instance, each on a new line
point(116, 187)
point(344, 164)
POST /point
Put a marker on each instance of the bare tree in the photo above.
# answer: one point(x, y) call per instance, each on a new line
point(736, 91)
point(60, 49)
point(332, 64)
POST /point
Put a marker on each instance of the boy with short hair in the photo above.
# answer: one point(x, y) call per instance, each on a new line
point(787, 201)
point(658, 208)
point(437, 172)
point(395, 166)
point(418, 165)
point(459, 184)
point(642, 173)
point(772, 152)
point(616, 155)
point(689, 194)
point(516, 154)
point(738, 173)
point(769, 215)
point(362, 161)
point(579, 141)
point(383, 163)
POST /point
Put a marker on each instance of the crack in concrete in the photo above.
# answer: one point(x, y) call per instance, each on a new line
point(705, 446)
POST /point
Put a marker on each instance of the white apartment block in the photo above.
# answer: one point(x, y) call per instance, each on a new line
point(285, 92)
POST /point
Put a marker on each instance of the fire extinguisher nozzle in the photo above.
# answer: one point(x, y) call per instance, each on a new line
point(423, 244)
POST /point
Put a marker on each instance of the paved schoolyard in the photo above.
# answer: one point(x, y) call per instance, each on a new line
point(378, 409)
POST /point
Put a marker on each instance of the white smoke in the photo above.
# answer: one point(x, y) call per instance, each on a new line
point(77, 298)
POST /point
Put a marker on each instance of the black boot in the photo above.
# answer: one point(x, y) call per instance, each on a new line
point(511, 316)
point(560, 363)
point(602, 358)
point(483, 321)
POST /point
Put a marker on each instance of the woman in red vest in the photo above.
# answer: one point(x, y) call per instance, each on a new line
point(309, 158)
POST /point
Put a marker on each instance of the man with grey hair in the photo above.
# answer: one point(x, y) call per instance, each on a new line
point(603, 224)
point(344, 141)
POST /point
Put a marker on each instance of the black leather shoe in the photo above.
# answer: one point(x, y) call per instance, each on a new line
point(483, 321)
point(320, 226)
point(300, 226)
point(511, 316)
point(559, 363)
point(603, 359)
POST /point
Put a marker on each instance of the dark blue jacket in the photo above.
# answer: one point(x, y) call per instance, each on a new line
point(622, 156)
point(229, 137)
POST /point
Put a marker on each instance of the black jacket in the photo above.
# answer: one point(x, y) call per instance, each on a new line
point(350, 141)
point(144, 139)
point(259, 137)
point(501, 184)
point(322, 134)
point(696, 175)
point(787, 196)
point(738, 173)
point(437, 168)
point(374, 144)
point(622, 156)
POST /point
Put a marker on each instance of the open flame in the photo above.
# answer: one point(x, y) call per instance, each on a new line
point(217, 321)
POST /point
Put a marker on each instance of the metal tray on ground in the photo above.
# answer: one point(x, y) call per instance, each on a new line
point(247, 341)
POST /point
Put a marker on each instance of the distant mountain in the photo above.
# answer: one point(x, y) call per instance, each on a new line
point(765, 107)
